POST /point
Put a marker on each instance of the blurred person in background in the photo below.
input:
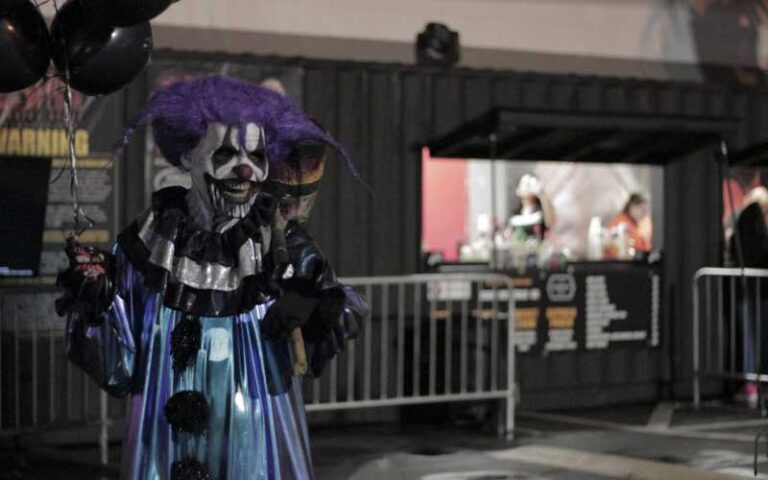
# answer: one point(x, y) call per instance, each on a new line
point(635, 216)
point(535, 216)
point(739, 183)
point(751, 231)
point(748, 247)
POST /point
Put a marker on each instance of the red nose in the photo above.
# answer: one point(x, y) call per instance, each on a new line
point(243, 172)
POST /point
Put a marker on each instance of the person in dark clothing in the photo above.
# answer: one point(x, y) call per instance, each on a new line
point(751, 234)
point(751, 231)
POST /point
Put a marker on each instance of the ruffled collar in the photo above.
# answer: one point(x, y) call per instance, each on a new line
point(196, 270)
point(173, 219)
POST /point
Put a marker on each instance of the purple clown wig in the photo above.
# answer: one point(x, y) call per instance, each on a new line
point(179, 115)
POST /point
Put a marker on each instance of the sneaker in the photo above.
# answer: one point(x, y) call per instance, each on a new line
point(747, 395)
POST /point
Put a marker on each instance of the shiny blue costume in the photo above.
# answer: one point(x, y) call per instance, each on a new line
point(254, 426)
point(251, 434)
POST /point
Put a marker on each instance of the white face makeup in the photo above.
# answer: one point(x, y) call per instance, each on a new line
point(226, 171)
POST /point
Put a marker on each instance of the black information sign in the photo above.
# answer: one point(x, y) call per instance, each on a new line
point(32, 126)
point(23, 196)
point(588, 307)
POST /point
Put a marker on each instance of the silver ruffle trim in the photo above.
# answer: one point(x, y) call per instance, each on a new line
point(200, 275)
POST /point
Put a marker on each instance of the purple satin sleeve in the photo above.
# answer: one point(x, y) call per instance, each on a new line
point(105, 347)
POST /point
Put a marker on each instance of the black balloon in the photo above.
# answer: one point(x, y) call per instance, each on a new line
point(124, 13)
point(25, 46)
point(99, 57)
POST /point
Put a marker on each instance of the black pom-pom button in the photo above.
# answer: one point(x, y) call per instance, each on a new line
point(185, 341)
point(188, 412)
point(189, 469)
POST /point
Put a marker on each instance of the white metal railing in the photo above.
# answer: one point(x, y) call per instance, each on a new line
point(40, 391)
point(428, 338)
point(728, 309)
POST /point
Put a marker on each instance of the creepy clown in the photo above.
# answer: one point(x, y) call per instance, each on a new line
point(215, 298)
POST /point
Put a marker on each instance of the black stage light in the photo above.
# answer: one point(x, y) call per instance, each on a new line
point(437, 45)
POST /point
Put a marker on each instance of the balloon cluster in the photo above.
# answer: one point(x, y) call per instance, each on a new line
point(97, 46)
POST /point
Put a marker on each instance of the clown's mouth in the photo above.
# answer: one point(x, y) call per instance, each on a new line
point(232, 195)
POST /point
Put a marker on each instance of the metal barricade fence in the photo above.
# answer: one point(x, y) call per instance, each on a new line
point(427, 339)
point(729, 305)
point(40, 391)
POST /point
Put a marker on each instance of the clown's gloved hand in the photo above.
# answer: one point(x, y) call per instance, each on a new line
point(88, 282)
point(290, 311)
point(274, 282)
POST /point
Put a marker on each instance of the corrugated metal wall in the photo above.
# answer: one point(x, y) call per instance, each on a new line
point(382, 112)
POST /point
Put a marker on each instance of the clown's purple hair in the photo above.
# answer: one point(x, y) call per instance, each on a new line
point(179, 115)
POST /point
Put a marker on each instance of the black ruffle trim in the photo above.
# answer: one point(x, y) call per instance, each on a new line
point(185, 341)
point(187, 411)
point(189, 469)
point(191, 241)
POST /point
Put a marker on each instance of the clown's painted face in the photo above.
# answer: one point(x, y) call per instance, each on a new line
point(227, 168)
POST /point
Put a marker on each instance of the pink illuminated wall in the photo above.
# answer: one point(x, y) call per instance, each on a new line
point(444, 204)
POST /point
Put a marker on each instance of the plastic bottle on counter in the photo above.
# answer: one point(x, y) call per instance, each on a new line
point(483, 247)
point(622, 241)
point(502, 252)
point(595, 239)
point(466, 254)
point(532, 254)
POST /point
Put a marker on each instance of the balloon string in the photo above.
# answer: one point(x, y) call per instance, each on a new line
point(64, 165)
point(82, 221)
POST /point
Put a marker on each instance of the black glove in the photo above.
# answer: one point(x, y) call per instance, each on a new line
point(88, 282)
point(274, 281)
point(336, 321)
point(289, 312)
point(330, 307)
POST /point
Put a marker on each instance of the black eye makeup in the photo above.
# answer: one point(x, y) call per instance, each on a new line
point(223, 155)
point(257, 156)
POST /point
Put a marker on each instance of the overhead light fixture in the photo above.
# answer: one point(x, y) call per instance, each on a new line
point(437, 45)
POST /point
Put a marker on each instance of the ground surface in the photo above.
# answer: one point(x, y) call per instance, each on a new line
point(637, 442)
